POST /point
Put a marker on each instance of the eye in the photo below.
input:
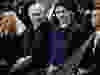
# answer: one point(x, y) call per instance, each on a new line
point(60, 11)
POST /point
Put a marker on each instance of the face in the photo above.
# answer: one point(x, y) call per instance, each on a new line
point(59, 11)
point(36, 12)
point(97, 15)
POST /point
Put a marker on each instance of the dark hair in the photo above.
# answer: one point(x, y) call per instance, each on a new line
point(59, 4)
point(55, 20)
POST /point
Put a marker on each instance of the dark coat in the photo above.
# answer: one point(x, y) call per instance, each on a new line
point(47, 27)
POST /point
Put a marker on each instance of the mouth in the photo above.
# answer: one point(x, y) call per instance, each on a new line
point(35, 14)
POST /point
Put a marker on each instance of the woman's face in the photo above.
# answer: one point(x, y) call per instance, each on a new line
point(59, 11)
point(63, 15)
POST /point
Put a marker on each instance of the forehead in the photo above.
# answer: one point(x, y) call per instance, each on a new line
point(60, 8)
point(37, 7)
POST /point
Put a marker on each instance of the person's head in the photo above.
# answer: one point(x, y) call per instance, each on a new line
point(36, 12)
point(59, 11)
point(62, 14)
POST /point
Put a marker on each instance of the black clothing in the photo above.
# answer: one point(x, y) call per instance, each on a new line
point(47, 27)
